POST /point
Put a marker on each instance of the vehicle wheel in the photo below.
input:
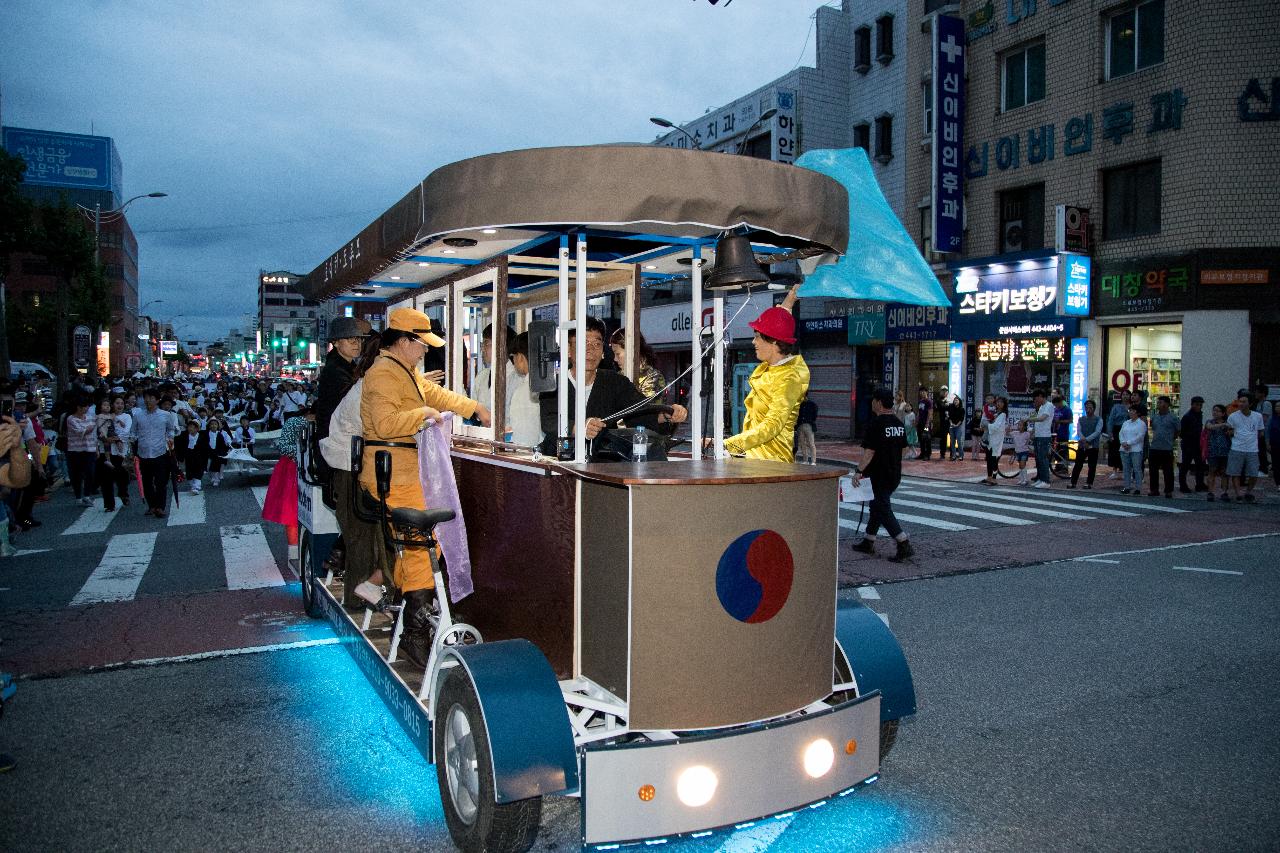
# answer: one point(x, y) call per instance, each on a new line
point(307, 571)
point(888, 728)
point(1007, 466)
point(464, 771)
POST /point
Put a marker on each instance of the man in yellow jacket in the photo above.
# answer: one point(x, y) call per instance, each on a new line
point(396, 403)
point(777, 387)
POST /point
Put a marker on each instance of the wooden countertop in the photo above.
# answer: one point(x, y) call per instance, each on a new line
point(705, 472)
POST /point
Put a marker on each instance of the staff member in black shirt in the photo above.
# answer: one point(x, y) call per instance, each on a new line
point(882, 462)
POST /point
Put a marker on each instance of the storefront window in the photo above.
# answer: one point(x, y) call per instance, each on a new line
point(1015, 367)
point(1146, 359)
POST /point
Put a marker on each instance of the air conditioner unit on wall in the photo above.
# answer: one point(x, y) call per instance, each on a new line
point(1014, 236)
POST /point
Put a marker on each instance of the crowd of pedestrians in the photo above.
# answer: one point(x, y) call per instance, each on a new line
point(114, 439)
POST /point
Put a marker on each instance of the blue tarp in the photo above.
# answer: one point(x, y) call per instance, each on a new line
point(882, 262)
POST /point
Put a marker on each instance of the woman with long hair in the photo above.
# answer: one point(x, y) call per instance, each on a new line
point(649, 380)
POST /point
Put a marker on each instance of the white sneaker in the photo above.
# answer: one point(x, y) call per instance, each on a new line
point(1040, 484)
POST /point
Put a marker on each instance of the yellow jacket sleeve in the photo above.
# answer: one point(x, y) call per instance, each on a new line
point(444, 400)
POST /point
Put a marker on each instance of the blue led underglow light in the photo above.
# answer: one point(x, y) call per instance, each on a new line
point(654, 842)
point(746, 825)
point(608, 846)
point(871, 779)
point(819, 804)
point(847, 791)
point(784, 815)
point(702, 834)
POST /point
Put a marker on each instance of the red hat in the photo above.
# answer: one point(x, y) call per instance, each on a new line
point(776, 323)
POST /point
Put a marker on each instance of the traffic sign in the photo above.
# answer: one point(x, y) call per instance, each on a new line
point(81, 346)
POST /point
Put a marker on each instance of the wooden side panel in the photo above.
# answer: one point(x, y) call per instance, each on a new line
point(605, 586)
point(521, 531)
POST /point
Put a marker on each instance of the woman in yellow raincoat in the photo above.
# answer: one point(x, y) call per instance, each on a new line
point(778, 385)
point(395, 404)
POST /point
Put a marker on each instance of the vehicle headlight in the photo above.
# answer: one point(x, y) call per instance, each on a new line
point(696, 786)
point(818, 758)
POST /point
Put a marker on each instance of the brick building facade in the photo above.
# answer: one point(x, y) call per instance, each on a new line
point(1158, 118)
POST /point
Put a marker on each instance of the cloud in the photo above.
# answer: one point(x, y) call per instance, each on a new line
point(260, 118)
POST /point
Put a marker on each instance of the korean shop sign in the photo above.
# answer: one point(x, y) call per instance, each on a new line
point(1006, 295)
point(948, 129)
point(1073, 284)
point(916, 323)
point(1145, 286)
point(1162, 112)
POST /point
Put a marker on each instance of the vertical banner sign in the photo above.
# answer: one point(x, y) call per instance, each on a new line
point(890, 373)
point(955, 369)
point(784, 127)
point(81, 347)
point(971, 381)
point(948, 129)
point(1074, 275)
point(1079, 379)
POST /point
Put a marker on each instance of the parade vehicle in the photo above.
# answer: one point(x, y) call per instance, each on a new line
point(662, 638)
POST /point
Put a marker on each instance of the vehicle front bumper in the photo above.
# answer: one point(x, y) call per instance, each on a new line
point(633, 791)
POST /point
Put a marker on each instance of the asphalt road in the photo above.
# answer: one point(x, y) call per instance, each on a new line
point(1124, 702)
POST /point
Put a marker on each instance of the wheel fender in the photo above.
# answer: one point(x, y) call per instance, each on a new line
point(875, 659)
point(530, 737)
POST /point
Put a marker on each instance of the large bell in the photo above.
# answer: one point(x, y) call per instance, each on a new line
point(735, 265)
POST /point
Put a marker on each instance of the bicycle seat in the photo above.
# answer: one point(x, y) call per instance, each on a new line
point(420, 519)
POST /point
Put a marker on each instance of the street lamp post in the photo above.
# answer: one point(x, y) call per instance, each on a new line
point(746, 137)
point(97, 218)
point(670, 125)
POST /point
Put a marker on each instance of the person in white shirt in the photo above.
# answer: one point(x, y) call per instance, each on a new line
point(1042, 434)
point(523, 407)
point(243, 435)
point(154, 430)
point(1133, 435)
point(1245, 427)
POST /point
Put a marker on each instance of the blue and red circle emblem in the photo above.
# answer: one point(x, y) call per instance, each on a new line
point(753, 580)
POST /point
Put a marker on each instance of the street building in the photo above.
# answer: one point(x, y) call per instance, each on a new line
point(1120, 197)
point(288, 323)
point(86, 171)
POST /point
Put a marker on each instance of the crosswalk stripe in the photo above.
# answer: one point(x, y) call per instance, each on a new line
point(190, 510)
point(120, 571)
point(933, 484)
point(921, 520)
point(1126, 502)
point(92, 520)
point(996, 494)
point(1052, 513)
point(260, 492)
point(967, 513)
point(249, 561)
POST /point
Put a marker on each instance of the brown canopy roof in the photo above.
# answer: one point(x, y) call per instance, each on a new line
point(639, 188)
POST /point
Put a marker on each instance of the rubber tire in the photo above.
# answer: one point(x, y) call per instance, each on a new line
point(498, 828)
point(888, 728)
point(306, 570)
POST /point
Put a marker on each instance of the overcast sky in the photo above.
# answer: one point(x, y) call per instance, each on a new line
point(279, 129)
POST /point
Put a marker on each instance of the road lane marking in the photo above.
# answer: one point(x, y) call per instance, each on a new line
point(868, 592)
point(1210, 571)
point(220, 653)
point(967, 513)
point(22, 553)
point(1052, 513)
point(1024, 498)
point(1180, 545)
point(914, 519)
point(249, 561)
point(189, 511)
point(1095, 560)
point(94, 519)
point(260, 492)
point(120, 571)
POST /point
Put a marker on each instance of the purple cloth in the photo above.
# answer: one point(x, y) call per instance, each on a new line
point(440, 490)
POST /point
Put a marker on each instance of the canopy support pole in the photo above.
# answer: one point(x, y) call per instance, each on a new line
point(580, 355)
point(695, 395)
point(562, 335)
point(717, 413)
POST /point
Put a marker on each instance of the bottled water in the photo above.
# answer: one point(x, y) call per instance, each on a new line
point(640, 445)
